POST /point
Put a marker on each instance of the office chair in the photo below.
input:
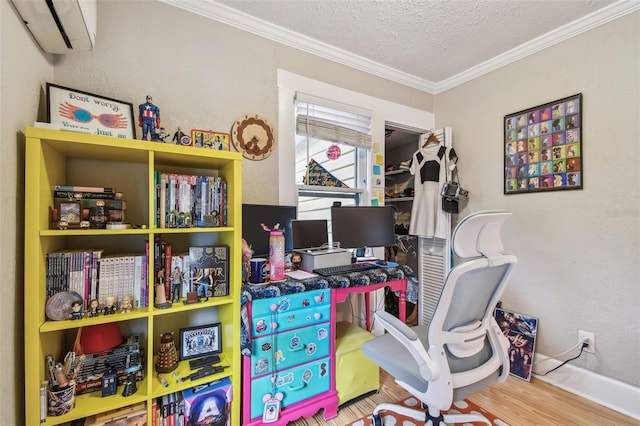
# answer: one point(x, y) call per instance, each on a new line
point(462, 350)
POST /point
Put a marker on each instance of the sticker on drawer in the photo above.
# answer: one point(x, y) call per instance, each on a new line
point(290, 302)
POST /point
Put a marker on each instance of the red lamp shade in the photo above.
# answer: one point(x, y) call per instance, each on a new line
point(99, 338)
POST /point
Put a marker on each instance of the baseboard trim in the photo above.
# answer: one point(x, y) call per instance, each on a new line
point(619, 396)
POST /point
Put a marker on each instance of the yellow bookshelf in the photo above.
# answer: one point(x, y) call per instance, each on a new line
point(56, 157)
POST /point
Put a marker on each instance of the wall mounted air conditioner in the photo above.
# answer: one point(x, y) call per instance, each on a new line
point(60, 26)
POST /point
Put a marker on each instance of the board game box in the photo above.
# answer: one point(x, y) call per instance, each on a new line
point(210, 270)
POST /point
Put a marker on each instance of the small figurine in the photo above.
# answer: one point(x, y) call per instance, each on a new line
point(167, 359)
point(296, 260)
point(94, 308)
point(176, 284)
point(247, 252)
point(125, 306)
point(76, 311)
point(203, 284)
point(130, 385)
point(109, 306)
point(149, 118)
point(178, 135)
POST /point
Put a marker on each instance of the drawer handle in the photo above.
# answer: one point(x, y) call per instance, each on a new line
point(296, 387)
point(298, 348)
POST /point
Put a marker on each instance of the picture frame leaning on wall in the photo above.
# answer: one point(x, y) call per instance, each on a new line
point(76, 110)
point(200, 341)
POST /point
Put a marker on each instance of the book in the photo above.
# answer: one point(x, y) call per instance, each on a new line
point(75, 188)
point(167, 270)
point(215, 396)
point(210, 267)
point(87, 203)
point(132, 414)
point(77, 195)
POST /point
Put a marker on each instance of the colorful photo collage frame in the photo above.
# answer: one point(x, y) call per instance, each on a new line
point(543, 147)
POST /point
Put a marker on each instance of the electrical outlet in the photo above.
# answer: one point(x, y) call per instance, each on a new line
point(590, 338)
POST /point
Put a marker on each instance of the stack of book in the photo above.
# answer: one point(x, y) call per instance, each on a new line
point(95, 276)
point(167, 410)
point(199, 267)
point(91, 196)
point(184, 201)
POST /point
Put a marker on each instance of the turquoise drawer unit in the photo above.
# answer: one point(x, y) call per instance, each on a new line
point(289, 348)
point(296, 384)
point(290, 311)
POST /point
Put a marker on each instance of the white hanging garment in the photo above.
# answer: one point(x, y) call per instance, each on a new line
point(431, 167)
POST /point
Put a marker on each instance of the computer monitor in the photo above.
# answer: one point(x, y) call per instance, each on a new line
point(364, 226)
point(253, 215)
point(310, 233)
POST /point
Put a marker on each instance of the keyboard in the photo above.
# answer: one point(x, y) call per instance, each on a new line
point(344, 269)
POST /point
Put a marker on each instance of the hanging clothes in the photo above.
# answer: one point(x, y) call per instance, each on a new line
point(430, 166)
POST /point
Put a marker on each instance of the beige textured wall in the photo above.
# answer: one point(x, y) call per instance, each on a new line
point(23, 69)
point(204, 75)
point(578, 250)
point(201, 74)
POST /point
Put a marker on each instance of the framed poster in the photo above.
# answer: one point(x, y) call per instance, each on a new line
point(200, 341)
point(85, 112)
point(543, 147)
point(521, 331)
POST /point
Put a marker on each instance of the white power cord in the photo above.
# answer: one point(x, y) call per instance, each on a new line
point(563, 353)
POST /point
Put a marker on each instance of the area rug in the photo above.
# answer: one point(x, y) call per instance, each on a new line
point(390, 418)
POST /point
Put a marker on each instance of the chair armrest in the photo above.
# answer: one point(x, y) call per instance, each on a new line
point(409, 339)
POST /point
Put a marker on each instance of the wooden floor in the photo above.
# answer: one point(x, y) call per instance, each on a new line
point(517, 402)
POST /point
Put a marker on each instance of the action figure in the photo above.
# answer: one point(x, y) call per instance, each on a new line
point(76, 311)
point(94, 308)
point(176, 284)
point(203, 284)
point(177, 136)
point(149, 118)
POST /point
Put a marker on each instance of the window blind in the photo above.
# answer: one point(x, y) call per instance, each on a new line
point(336, 123)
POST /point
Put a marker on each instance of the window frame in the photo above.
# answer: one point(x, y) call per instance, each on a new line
point(382, 112)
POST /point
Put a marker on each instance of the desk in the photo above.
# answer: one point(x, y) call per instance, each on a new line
point(339, 295)
point(337, 289)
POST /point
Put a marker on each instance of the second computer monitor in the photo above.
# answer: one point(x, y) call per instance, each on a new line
point(309, 234)
point(365, 226)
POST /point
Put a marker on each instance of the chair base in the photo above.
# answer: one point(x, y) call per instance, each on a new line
point(442, 420)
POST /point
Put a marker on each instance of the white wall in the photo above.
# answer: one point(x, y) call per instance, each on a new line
point(578, 251)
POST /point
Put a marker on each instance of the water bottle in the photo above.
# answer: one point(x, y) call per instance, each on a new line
point(276, 255)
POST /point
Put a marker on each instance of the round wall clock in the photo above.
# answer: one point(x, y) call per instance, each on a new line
point(253, 136)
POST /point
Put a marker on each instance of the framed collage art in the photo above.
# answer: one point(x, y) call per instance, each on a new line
point(543, 147)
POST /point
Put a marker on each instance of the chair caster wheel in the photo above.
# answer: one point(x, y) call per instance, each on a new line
point(377, 421)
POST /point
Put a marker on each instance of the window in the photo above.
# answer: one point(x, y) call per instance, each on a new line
point(332, 155)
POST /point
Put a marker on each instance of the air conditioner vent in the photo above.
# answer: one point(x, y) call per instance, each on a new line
point(60, 26)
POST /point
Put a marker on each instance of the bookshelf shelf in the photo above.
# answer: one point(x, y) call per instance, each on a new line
point(55, 157)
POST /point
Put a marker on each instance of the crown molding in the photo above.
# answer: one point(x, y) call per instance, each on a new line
point(584, 24)
point(226, 15)
point(221, 13)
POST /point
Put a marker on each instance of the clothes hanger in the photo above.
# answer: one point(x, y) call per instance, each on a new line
point(431, 139)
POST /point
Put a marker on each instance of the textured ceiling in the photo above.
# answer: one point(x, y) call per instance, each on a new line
point(428, 40)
